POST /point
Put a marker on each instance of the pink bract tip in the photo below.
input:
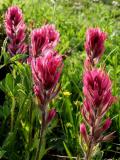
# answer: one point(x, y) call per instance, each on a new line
point(51, 115)
point(107, 124)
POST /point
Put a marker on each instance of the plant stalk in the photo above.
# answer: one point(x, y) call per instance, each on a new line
point(89, 151)
point(12, 113)
point(30, 130)
point(91, 143)
point(41, 136)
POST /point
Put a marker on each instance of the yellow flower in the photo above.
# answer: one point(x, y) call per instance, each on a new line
point(66, 93)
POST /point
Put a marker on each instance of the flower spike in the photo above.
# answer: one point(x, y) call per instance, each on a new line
point(15, 30)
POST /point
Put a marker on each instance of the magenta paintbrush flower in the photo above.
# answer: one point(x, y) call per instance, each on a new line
point(94, 44)
point(46, 66)
point(46, 69)
point(43, 39)
point(15, 30)
point(46, 72)
point(98, 99)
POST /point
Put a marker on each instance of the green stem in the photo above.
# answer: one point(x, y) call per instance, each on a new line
point(30, 131)
point(12, 113)
point(89, 151)
point(41, 136)
point(91, 143)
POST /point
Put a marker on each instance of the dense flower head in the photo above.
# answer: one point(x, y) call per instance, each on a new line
point(97, 89)
point(46, 71)
point(43, 39)
point(98, 99)
point(15, 30)
point(94, 44)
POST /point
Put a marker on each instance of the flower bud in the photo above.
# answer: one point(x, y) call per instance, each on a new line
point(107, 124)
point(51, 115)
point(108, 137)
point(83, 132)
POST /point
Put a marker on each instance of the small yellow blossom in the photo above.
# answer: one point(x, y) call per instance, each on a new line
point(66, 93)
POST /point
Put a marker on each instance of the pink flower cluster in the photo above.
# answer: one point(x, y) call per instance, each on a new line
point(46, 65)
point(97, 89)
point(98, 99)
point(46, 72)
point(15, 30)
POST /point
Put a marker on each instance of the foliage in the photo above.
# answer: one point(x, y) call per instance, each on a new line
point(19, 116)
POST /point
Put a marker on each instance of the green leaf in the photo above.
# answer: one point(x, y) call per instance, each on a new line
point(9, 83)
point(18, 57)
point(42, 150)
point(6, 111)
point(10, 140)
point(2, 152)
point(4, 54)
point(67, 151)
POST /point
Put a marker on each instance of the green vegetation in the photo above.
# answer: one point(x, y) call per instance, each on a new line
point(71, 18)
